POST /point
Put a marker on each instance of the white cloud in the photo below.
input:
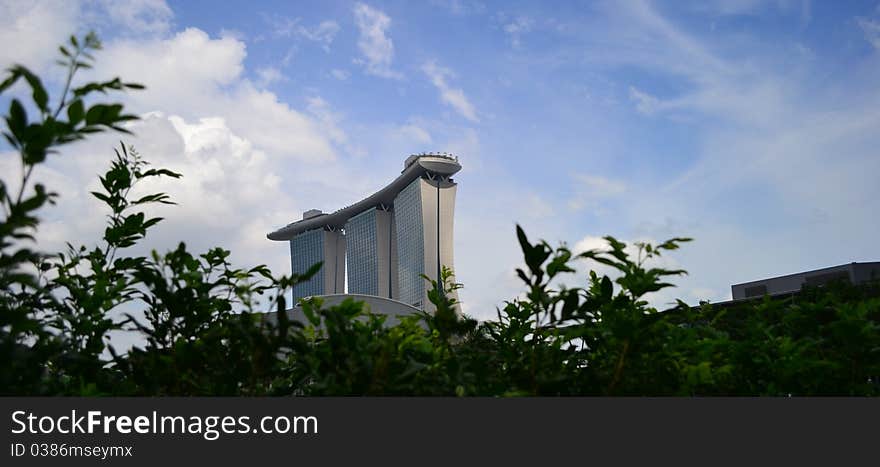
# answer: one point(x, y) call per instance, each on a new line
point(802, 8)
point(241, 150)
point(871, 29)
point(645, 103)
point(453, 97)
point(173, 74)
point(732, 7)
point(465, 143)
point(31, 31)
point(591, 189)
point(538, 207)
point(517, 28)
point(268, 75)
point(339, 74)
point(213, 86)
point(394, 140)
point(139, 16)
point(231, 194)
point(233, 34)
point(414, 133)
point(460, 7)
point(778, 166)
point(377, 48)
point(324, 33)
point(328, 119)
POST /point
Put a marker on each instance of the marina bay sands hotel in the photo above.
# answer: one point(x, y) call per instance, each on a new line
point(383, 243)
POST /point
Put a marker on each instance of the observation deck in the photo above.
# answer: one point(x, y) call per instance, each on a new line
point(415, 166)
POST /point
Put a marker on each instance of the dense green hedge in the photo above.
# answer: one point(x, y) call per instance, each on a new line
point(204, 336)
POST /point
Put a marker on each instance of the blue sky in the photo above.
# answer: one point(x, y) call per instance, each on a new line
point(749, 125)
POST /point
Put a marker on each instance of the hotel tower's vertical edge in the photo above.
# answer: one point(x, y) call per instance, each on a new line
point(384, 243)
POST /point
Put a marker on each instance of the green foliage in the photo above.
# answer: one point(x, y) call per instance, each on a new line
point(203, 332)
point(30, 313)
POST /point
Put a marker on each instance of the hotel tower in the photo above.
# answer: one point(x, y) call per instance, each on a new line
point(384, 243)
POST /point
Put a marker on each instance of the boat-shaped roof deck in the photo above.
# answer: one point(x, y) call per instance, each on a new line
point(415, 167)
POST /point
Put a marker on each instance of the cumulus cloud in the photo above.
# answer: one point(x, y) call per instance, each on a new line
point(230, 194)
point(213, 86)
point(239, 147)
point(375, 45)
point(31, 31)
point(453, 97)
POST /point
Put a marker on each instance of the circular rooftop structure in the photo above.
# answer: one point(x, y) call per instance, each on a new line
point(415, 166)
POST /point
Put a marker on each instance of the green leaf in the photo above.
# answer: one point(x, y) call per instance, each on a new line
point(101, 196)
point(158, 172)
point(523, 240)
point(41, 98)
point(103, 114)
point(560, 263)
point(10, 80)
point(607, 288)
point(76, 112)
point(17, 119)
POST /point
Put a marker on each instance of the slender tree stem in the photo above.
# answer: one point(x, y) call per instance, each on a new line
point(70, 72)
point(26, 175)
point(618, 371)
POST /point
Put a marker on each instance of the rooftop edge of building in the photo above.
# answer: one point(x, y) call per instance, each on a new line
point(811, 271)
point(415, 166)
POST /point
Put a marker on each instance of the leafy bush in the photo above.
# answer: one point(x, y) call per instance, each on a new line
point(204, 334)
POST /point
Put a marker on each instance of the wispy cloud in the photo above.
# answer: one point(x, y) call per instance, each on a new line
point(775, 157)
point(140, 16)
point(516, 28)
point(591, 189)
point(328, 118)
point(871, 29)
point(454, 97)
point(375, 45)
point(268, 75)
point(460, 7)
point(415, 133)
point(340, 74)
point(645, 103)
point(323, 34)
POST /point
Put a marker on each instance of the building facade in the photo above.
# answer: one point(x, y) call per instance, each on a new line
point(388, 241)
point(311, 247)
point(372, 256)
point(854, 273)
point(424, 212)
